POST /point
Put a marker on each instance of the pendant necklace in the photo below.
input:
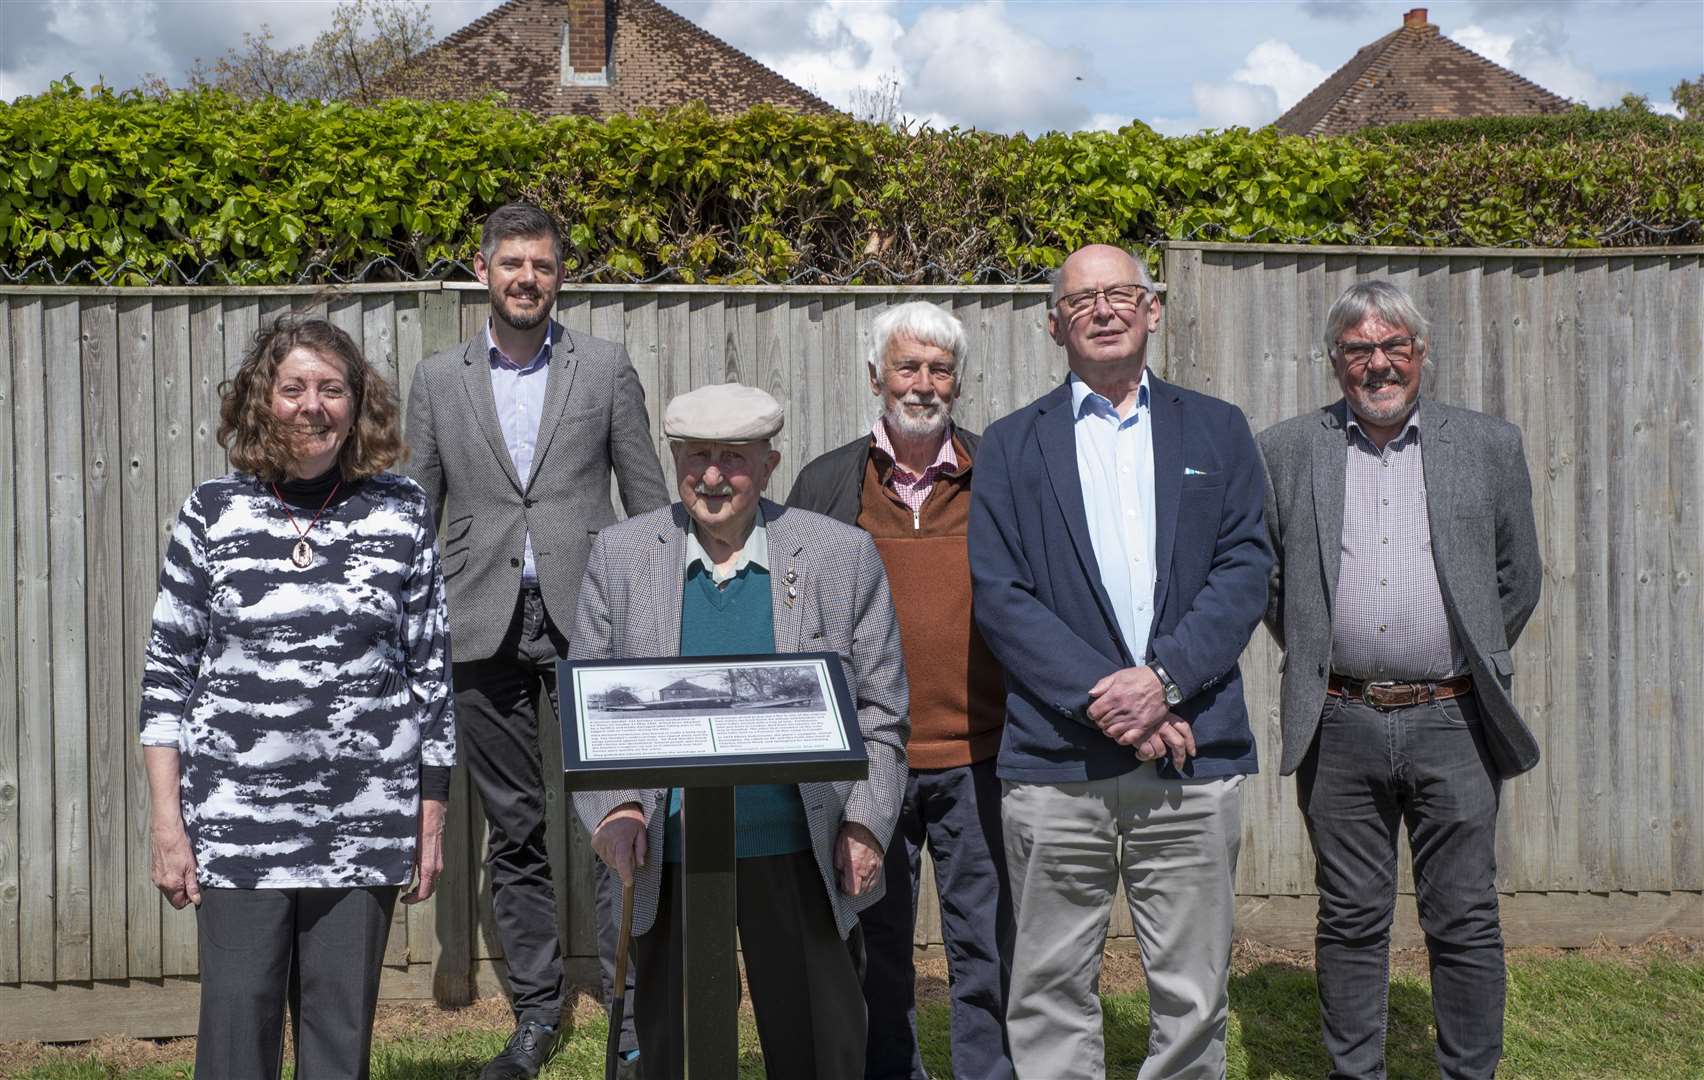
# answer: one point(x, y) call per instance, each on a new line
point(302, 555)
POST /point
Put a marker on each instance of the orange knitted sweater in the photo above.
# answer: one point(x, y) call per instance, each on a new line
point(958, 697)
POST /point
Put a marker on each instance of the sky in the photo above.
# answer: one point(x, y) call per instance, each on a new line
point(998, 65)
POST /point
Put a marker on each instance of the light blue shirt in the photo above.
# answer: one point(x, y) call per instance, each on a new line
point(519, 390)
point(1115, 465)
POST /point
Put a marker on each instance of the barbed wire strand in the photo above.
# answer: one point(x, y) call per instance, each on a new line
point(172, 273)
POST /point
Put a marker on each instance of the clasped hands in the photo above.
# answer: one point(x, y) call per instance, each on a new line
point(1129, 706)
point(620, 842)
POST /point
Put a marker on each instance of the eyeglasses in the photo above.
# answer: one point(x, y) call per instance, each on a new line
point(1118, 298)
point(1359, 352)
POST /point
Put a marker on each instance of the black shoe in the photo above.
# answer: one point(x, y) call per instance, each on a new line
point(628, 1069)
point(526, 1053)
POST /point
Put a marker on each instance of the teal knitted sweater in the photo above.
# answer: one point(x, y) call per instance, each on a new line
point(728, 621)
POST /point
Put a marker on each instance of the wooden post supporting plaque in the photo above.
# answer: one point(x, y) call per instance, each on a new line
point(712, 985)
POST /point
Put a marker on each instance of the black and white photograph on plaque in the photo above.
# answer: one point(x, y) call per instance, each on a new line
point(710, 709)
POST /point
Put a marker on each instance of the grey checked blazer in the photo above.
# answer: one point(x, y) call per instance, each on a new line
point(630, 607)
point(594, 419)
point(1484, 544)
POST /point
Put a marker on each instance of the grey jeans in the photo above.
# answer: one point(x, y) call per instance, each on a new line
point(1371, 771)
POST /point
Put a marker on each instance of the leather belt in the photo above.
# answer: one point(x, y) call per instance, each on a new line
point(1397, 695)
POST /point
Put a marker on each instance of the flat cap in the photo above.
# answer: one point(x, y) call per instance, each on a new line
point(724, 412)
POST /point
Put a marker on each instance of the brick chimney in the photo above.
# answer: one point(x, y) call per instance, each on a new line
point(585, 44)
point(1415, 19)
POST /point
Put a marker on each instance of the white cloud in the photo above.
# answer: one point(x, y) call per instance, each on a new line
point(1234, 104)
point(1103, 121)
point(1272, 78)
point(1540, 53)
point(1175, 125)
point(754, 26)
point(1275, 64)
point(972, 64)
point(955, 64)
point(833, 47)
point(121, 42)
point(1492, 46)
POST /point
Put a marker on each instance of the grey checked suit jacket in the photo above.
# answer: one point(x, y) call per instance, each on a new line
point(630, 607)
point(1484, 544)
point(594, 420)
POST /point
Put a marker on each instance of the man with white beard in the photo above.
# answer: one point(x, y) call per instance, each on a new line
point(907, 483)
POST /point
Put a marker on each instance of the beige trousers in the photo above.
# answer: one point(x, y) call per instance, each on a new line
point(1174, 843)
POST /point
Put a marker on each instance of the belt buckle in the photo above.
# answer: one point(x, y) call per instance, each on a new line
point(1367, 689)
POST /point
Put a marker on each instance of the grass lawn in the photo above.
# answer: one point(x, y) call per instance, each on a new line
point(1597, 1014)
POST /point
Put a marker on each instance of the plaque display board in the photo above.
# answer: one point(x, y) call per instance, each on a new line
point(707, 724)
point(707, 721)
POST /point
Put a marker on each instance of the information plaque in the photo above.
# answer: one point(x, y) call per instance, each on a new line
point(708, 721)
point(707, 724)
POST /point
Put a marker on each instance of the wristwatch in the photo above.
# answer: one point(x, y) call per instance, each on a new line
point(1174, 696)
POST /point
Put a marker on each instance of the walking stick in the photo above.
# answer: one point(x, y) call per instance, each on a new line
point(618, 1007)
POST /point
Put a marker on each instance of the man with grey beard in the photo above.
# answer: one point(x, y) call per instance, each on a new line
point(907, 483)
point(1407, 565)
point(514, 435)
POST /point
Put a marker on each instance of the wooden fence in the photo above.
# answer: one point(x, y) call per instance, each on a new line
point(108, 404)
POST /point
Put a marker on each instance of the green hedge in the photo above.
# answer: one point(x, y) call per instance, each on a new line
point(1578, 123)
point(273, 192)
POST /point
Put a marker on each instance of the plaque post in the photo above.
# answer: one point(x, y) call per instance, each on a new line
point(712, 984)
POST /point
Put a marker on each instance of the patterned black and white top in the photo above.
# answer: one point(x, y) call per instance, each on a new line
point(303, 702)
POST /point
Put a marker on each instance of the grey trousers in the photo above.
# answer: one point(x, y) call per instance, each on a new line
point(317, 949)
point(1174, 843)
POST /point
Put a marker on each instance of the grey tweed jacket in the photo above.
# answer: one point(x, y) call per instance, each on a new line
point(594, 420)
point(1484, 543)
point(630, 606)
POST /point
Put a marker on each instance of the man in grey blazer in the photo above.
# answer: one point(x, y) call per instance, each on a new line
point(517, 431)
point(1407, 565)
point(726, 572)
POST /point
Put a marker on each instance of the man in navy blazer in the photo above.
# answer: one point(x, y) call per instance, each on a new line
point(1119, 559)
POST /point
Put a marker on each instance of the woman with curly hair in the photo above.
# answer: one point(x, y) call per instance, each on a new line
point(296, 707)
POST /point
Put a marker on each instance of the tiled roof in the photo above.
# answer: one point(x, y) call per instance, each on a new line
point(1414, 73)
point(657, 60)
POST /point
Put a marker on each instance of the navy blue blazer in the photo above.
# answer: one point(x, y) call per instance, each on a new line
point(1045, 614)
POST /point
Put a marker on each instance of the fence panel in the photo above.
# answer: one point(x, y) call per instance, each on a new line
point(9, 580)
point(34, 687)
point(108, 734)
point(67, 634)
point(109, 411)
point(1596, 358)
point(138, 382)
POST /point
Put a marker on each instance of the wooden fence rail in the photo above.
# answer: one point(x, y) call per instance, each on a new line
point(108, 407)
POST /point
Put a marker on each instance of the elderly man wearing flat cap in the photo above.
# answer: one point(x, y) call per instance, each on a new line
point(725, 571)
